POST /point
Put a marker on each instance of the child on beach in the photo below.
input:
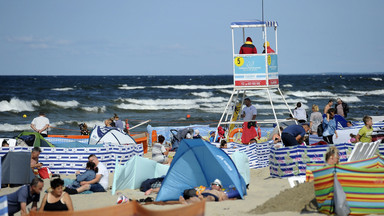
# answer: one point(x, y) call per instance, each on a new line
point(365, 133)
point(88, 175)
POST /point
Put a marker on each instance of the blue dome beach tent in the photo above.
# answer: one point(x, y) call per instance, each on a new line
point(196, 163)
point(100, 135)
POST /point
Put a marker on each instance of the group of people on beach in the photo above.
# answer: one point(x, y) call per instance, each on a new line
point(94, 179)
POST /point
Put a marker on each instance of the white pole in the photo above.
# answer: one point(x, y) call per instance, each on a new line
point(139, 124)
point(286, 104)
point(273, 109)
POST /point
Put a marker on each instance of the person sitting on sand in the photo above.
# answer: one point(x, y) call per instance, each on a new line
point(223, 144)
point(98, 184)
point(214, 193)
point(349, 124)
point(159, 152)
point(35, 158)
point(88, 175)
point(4, 143)
point(276, 138)
point(332, 156)
point(18, 201)
point(56, 199)
point(252, 141)
point(196, 135)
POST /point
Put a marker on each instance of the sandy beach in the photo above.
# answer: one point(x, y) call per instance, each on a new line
point(271, 196)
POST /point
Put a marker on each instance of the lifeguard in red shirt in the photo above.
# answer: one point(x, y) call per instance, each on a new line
point(248, 47)
point(269, 49)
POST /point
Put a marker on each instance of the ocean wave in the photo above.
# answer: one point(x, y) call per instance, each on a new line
point(16, 105)
point(10, 127)
point(350, 99)
point(376, 79)
point(193, 87)
point(63, 104)
point(287, 86)
point(156, 107)
point(202, 94)
point(126, 87)
point(373, 92)
point(310, 94)
point(63, 89)
point(95, 109)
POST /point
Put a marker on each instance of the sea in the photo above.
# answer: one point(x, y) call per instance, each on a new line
point(170, 100)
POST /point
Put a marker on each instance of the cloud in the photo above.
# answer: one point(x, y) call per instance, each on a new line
point(38, 42)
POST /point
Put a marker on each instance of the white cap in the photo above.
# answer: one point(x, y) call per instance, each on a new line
point(217, 182)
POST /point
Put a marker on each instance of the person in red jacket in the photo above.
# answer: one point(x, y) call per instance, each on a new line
point(269, 49)
point(248, 47)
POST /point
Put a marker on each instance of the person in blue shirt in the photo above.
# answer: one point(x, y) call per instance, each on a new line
point(294, 134)
point(329, 125)
point(18, 201)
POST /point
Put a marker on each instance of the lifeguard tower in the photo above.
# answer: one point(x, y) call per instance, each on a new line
point(252, 72)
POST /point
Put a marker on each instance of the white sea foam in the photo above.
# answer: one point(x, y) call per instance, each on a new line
point(374, 92)
point(63, 89)
point(10, 127)
point(170, 104)
point(287, 86)
point(63, 104)
point(350, 98)
point(377, 79)
point(126, 87)
point(310, 94)
point(193, 87)
point(17, 105)
point(95, 109)
point(203, 94)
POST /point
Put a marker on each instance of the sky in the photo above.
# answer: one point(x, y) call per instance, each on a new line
point(177, 37)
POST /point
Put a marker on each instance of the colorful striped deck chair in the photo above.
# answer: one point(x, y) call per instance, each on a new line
point(363, 151)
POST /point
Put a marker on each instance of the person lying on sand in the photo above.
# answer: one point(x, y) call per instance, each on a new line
point(214, 193)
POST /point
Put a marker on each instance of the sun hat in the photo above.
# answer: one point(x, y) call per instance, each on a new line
point(217, 182)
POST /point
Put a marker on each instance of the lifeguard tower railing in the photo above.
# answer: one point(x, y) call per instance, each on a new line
point(252, 72)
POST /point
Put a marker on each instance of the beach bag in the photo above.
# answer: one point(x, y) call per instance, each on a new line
point(320, 130)
point(44, 173)
point(341, 207)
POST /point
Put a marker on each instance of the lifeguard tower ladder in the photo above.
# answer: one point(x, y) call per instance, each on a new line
point(252, 72)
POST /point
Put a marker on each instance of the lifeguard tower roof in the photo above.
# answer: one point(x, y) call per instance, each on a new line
point(253, 24)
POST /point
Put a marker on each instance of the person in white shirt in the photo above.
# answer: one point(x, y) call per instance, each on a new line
point(40, 124)
point(159, 152)
point(299, 113)
point(248, 114)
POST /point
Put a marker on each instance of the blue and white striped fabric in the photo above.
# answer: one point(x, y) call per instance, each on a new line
point(3, 206)
point(258, 154)
point(69, 160)
point(246, 23)
point(292, 161)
